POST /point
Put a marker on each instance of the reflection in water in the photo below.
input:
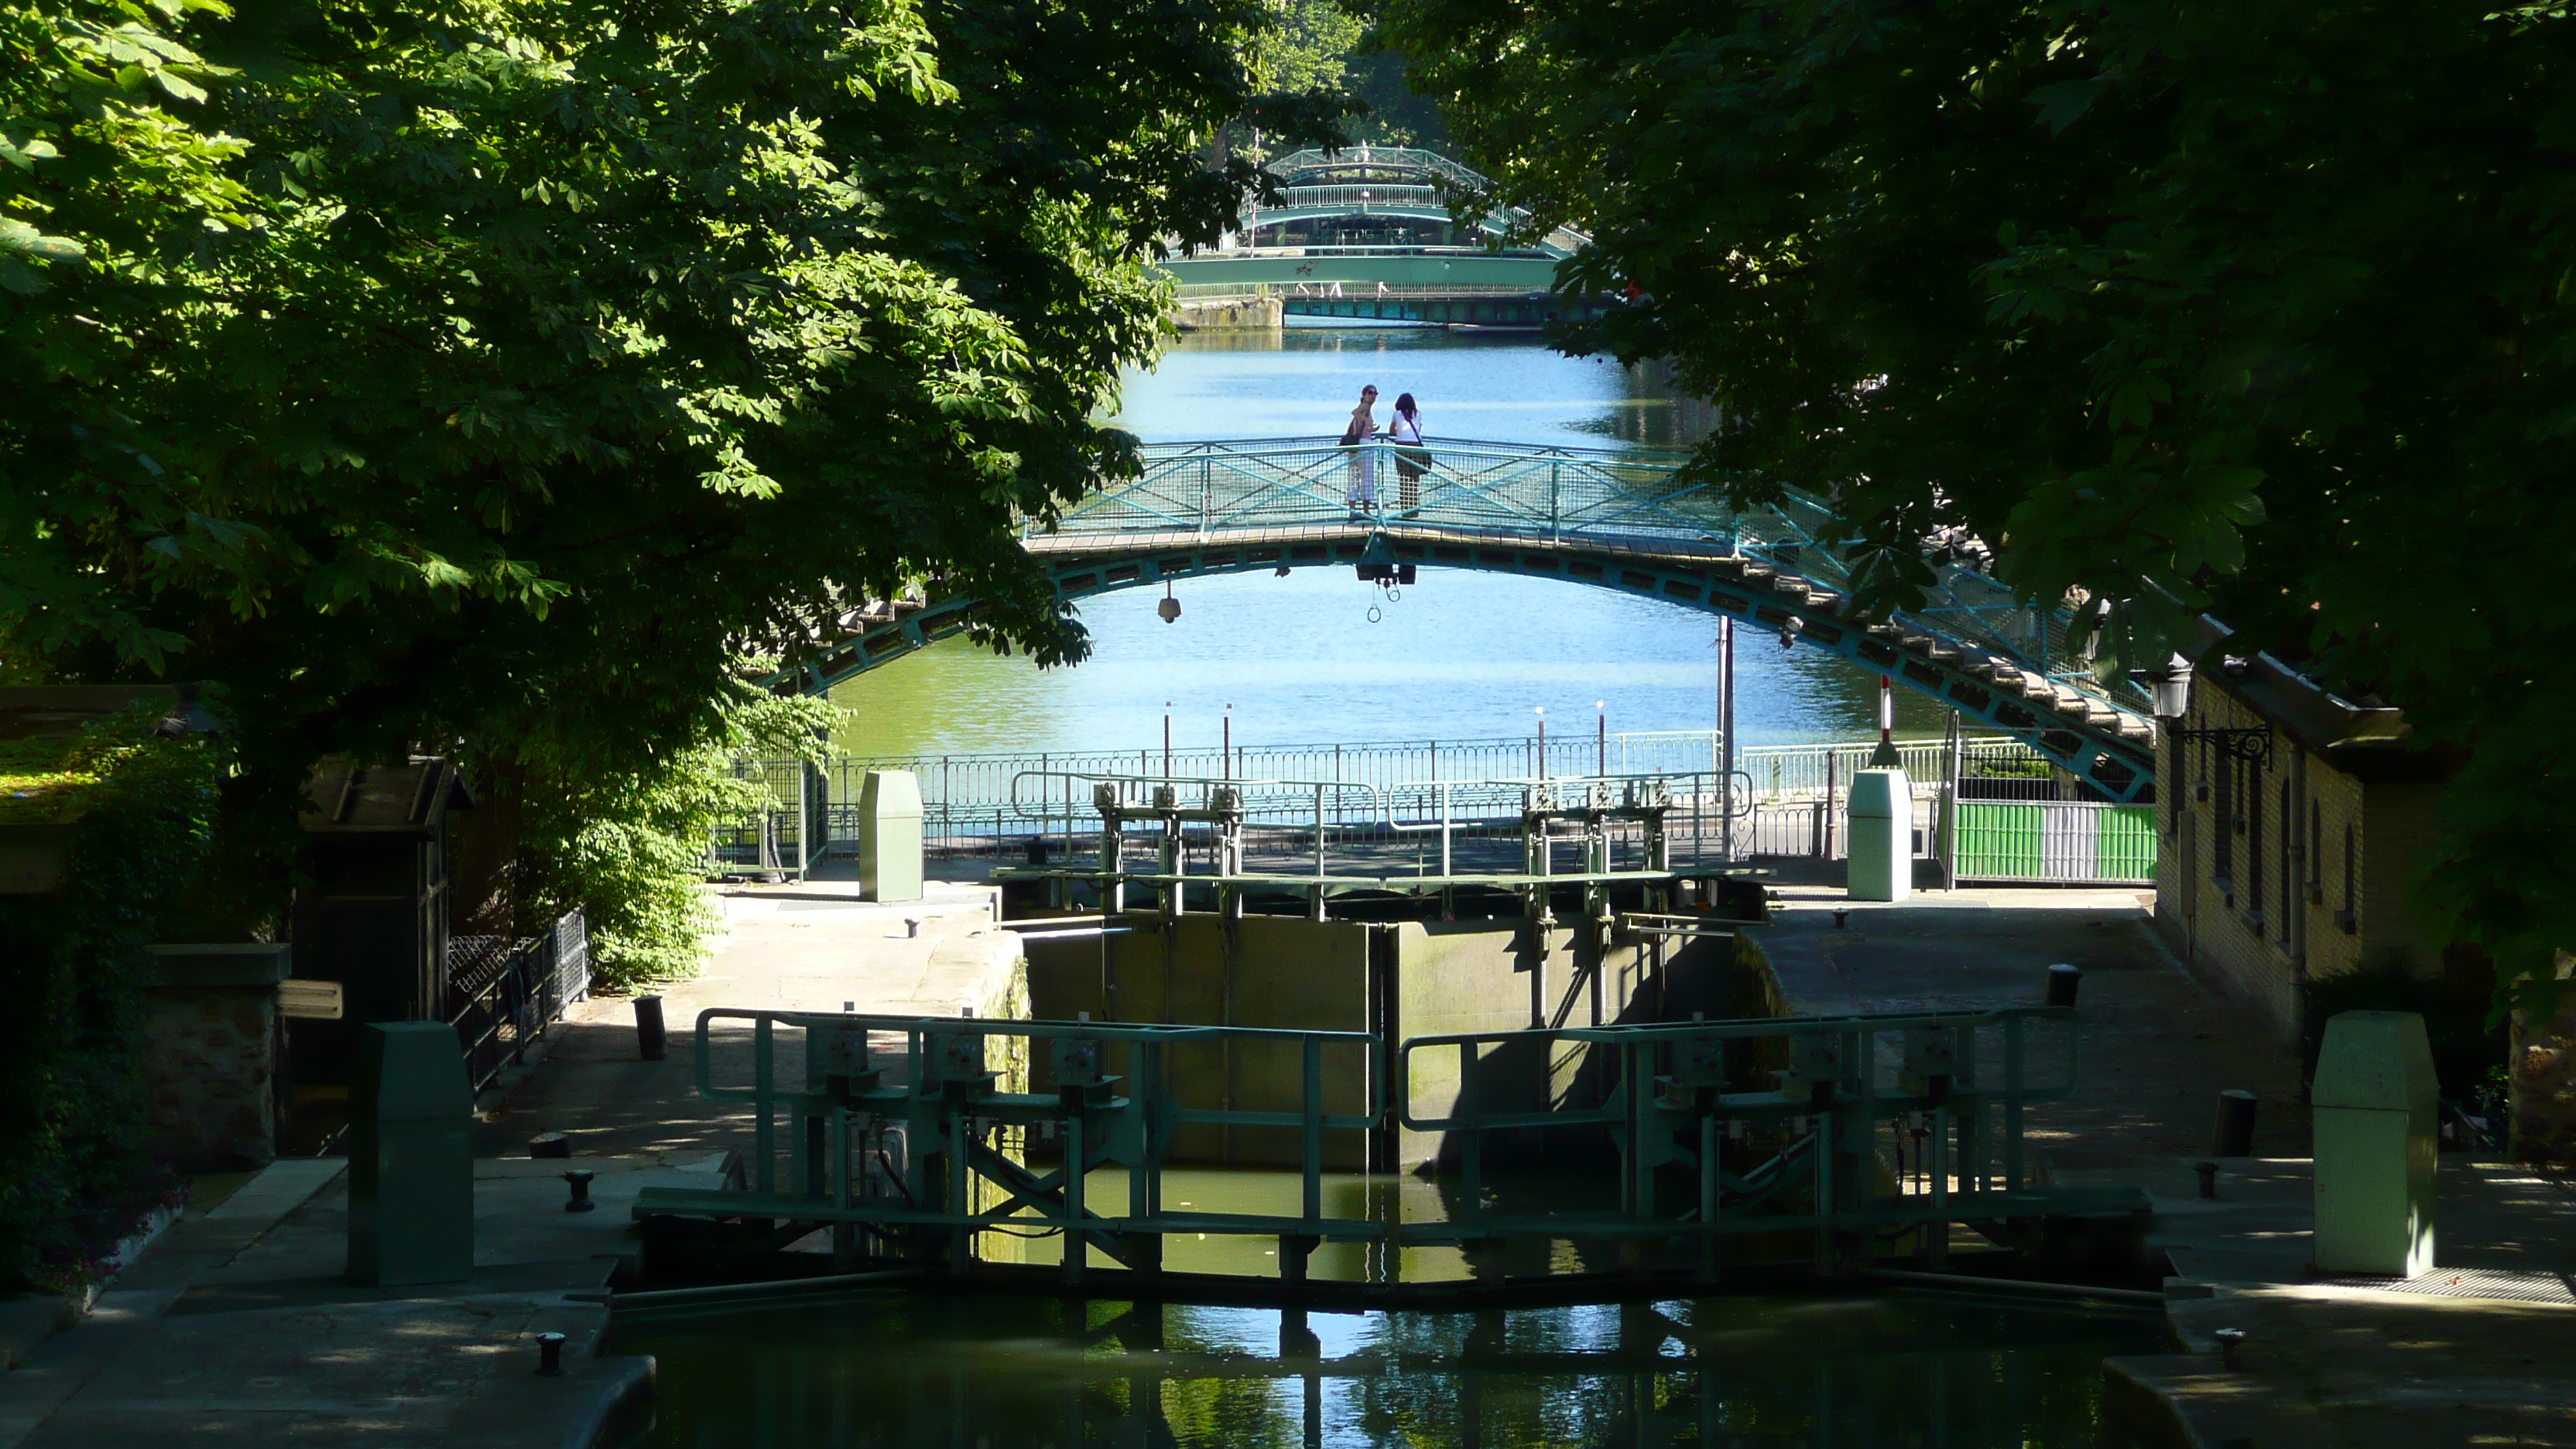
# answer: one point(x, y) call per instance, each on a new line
point(901, 1370)
point(1461, 655)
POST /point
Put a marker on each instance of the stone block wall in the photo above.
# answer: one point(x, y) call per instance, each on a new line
point(2542, 1060)
point(212, 1075)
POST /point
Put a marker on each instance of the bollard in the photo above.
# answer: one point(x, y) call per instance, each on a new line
point(411, 1157)
point(650, 1040)
point(550, 1355)
point(2208, 1178)
point(2235, 1135)
point(2063, 981)
point(550, 1144)
point(1841, 919)
point(579, 1179)
point(2229, 1341)
point(911, 927)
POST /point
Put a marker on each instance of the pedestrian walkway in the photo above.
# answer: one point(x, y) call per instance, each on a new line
point(237, 1327)
point(2481, 1351)
point(807, 946)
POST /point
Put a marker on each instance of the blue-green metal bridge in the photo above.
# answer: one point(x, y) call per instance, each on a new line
point(1619, 520)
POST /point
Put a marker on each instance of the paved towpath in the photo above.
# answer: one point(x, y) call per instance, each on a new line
point(811, 946)
point(2481, 1351)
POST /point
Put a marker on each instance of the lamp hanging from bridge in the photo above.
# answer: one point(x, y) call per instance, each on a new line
point(1789, 633)
point(1170, 608)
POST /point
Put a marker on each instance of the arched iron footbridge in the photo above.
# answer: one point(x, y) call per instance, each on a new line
point(1615, 520)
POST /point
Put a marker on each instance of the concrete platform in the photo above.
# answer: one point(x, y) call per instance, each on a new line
point(2481, 1351)
point(805, 946)
point(237, 1326)
point(2159, 1044)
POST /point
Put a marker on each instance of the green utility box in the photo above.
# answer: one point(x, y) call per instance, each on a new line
point(2376, 1102)
point(411, 1157)
point(890, 836)
point(1882, 836)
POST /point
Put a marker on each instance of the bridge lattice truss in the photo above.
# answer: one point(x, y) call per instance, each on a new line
point(1613, 519)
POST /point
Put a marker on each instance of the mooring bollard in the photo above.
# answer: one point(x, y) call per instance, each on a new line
point(650, 1042)
point(2235, 1124)
point(579, 1180)
point(550, 1355)
point(2229, 1341)
point(2208, 1178)
point(2063, 980)
point(550, 1144)
point(1841, 919)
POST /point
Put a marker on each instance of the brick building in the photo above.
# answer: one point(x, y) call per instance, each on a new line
point(2293, 823)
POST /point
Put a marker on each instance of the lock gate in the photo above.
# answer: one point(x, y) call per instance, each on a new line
point(1861, 1134)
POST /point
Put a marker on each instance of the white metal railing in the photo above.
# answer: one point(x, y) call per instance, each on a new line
point(1787, 799)
point(1193, 291)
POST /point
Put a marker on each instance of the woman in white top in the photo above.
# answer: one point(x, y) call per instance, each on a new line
point(1412, 460)
point(1360, 436)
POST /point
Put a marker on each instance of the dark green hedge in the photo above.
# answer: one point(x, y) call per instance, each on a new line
point(74, 1174)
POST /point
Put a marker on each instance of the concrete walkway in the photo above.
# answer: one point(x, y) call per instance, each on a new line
point(236, 1326)
point(2482, 1351)
point(2159, 1045)
point(811, 946)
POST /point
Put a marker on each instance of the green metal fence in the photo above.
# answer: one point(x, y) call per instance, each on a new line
point(2056, 840)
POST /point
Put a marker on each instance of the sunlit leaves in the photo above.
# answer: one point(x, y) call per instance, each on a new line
point(2260, 309)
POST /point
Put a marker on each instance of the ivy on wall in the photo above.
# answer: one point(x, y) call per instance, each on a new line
point(130, 812)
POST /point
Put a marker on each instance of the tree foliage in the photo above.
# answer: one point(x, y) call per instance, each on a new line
point(629, 847)
point(508, 369)
point(136, 812)
point(2261, 309)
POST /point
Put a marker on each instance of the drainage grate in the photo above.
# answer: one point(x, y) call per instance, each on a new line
point(2474, 1283)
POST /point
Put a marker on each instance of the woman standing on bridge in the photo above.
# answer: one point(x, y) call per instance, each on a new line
point(1360, 435)
point(1412, 460)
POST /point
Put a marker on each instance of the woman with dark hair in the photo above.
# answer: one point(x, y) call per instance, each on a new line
point(1361, 438)
point(1412, 460)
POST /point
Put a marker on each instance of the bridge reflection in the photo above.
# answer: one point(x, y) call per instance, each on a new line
point(898, 1370)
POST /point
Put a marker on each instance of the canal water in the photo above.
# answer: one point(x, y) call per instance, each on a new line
point(1458, 655)
point(895, 1370)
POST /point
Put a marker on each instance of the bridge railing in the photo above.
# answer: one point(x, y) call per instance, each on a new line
point(1594, 495)
point(1191, 291)
point(1501, 489)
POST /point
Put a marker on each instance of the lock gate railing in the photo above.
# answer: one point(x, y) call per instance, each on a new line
point(1675, 1095)
point(1818, 1101)
point(947, 1100)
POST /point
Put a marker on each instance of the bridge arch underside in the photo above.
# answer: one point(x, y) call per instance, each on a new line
point(2087, 741)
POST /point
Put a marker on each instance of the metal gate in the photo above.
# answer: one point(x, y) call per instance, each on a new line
point(2056, 840)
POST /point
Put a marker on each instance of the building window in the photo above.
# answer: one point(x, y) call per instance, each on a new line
point(2347, 918)
point(2316, 853)
point(2289, 878)
point(2173, 793)
point(2254, 836)
point(2222, 818)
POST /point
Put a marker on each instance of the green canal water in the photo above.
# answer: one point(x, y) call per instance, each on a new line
point(1460, 655)
point(897, 1370)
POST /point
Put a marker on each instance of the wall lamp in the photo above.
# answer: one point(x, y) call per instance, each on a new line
point(2170, 683)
